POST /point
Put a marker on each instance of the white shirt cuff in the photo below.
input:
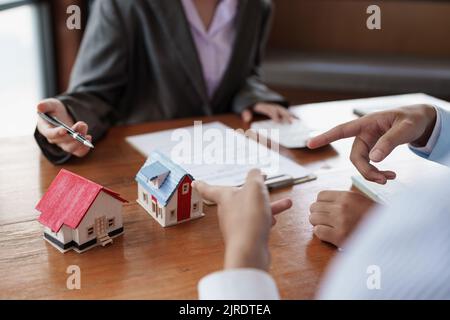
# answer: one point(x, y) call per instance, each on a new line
point(433, 138)
point(238, 284)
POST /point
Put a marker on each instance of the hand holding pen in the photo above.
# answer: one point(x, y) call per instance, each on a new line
point(58, 127)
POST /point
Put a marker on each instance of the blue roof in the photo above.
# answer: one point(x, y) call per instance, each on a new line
point(170, 184)
point(154, 170)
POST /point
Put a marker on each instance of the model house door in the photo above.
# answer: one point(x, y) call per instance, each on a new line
point(184, 199)
point(100, 226)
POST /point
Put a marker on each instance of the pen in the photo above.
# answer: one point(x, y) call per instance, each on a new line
point(58, 123)
point(279, 182)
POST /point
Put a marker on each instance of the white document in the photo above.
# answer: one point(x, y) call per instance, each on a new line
point(410, 172)
point(371, 105)
point(383, 194)
point(291, 135)
point(270, 162)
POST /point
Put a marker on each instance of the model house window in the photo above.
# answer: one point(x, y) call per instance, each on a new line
point(195, 207)
point(111, 222)
point(145, 196)
point(185, 188)
point(153, 206)
point(172, 213)
point(90, 231)
point(160, 211)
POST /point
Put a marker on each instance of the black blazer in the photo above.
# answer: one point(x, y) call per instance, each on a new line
point(138, 62)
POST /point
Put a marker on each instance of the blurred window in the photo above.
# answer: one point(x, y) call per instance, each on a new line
point(22, 66)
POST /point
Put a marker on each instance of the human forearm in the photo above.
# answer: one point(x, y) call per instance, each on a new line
point(246, 232)
point(247, 255)
point(254, 92)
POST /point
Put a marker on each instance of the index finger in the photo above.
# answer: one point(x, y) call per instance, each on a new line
point(280, 206)
point(47, 106)
point(342, 131)
point(255, 175)
point(49, 131)
point(211, 193)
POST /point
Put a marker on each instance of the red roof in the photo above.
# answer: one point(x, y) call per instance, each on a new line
point(68, 199)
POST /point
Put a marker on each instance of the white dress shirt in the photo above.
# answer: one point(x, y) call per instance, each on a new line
point(399, 252)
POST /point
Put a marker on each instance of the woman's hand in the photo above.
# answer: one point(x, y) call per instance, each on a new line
point(336, 214)
point(378, 134)
point(58, 135)
point(245, 218)
point(273, 111)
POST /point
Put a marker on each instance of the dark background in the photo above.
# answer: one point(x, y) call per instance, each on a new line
point(318, 50)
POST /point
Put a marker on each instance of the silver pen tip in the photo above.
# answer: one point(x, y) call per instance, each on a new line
point(89, 144)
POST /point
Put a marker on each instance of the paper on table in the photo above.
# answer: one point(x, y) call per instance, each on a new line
point(410, 173)
point(383, 194)
point(291, 135)
point(370, 105)
point(223, 174)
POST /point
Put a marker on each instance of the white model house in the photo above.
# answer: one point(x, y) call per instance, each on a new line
point(79, 214)
point(164, 190)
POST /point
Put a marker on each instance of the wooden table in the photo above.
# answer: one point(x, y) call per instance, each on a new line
point(148, 261)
